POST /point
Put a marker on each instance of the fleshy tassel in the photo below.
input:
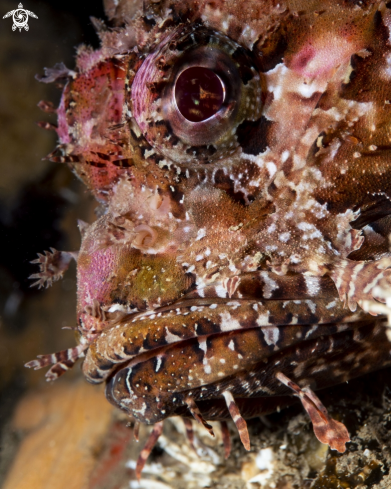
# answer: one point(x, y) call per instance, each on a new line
point(327, 430)
point(193, 408)
point(239, 421)
point(146, 451)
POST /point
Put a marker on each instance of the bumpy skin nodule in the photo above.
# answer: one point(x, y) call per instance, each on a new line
point(250, 246)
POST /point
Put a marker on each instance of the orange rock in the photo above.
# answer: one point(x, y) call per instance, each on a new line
point(64, 425)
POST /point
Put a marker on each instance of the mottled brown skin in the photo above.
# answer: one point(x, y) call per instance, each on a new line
point(248, 247)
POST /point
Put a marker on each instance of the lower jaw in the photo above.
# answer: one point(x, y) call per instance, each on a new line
point(317, 364)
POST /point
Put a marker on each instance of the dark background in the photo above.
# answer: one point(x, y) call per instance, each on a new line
point(39, 201)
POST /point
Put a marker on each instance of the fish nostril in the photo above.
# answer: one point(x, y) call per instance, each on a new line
point(146, 236)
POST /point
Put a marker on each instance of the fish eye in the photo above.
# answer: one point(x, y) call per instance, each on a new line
point(192, 92)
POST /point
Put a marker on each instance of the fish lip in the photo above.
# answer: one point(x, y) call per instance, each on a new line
point(116, 314)
point(186, 303)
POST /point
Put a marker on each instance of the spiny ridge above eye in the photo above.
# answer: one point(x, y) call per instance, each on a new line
point(191, 93)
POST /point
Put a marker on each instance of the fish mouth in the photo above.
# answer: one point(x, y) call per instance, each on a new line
point(215, 337)
point(140, 336)
point(157, 387)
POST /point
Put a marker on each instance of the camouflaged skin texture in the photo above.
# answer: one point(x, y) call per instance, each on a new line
point(245, 248)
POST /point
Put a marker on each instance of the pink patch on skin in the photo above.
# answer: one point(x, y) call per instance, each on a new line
point(317, 61)
point(301, 60)
point(103, 94)
point(93, 277)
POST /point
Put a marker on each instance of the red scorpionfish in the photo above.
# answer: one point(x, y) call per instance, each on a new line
point(241, 154)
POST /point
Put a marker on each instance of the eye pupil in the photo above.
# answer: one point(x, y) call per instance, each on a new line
point(199, 93)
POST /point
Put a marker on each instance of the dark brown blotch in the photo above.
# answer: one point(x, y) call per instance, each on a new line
point(125, 163)
point(364, 77)
point(207, 327)
point(176, 202)
point(281, 317)
point(254, 136)
point(271, 52)
point(155, 158)
point(244, 63)
point(149, 22)
point(226, 183)
point(150, 342)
